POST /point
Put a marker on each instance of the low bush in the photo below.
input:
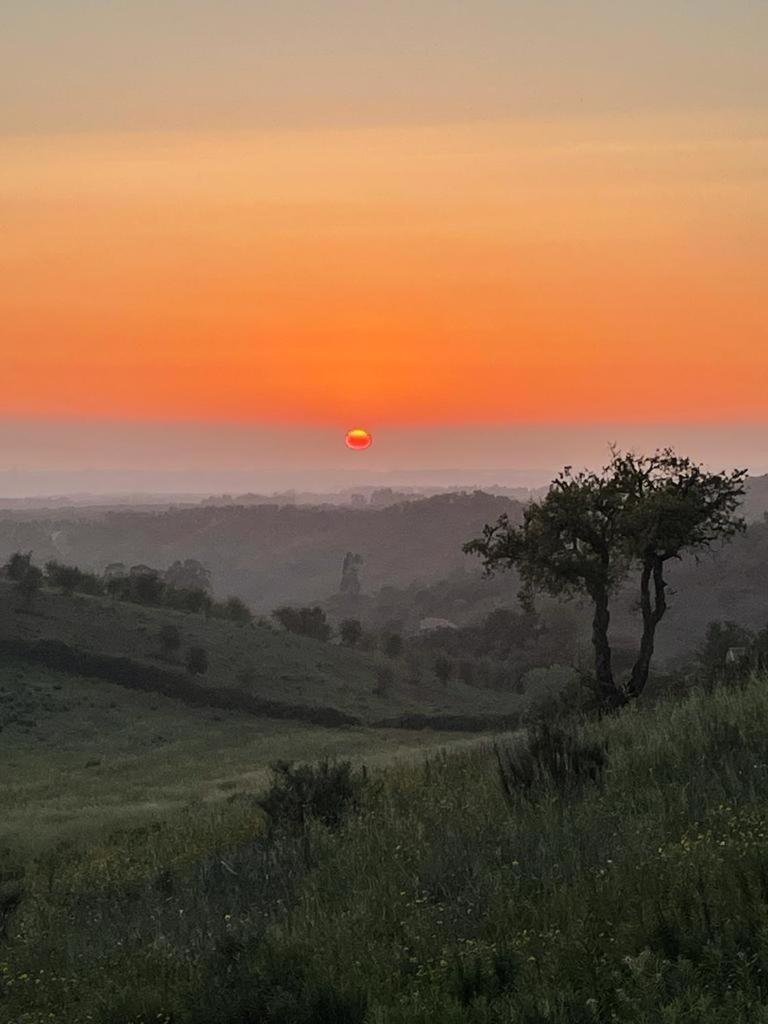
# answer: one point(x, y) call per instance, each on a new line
point(550, 756)
point(326, 791)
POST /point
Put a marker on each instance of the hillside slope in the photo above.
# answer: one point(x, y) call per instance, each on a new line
point(268, 664)
point(81, 755)
point(636, 896)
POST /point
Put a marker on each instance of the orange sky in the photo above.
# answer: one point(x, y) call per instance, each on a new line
point(585, 270)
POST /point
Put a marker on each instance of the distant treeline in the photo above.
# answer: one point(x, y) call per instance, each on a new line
point(184, 586)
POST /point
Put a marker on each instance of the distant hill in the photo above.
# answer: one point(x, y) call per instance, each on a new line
point(413, 566)
point(269, 555)
point(268, 664)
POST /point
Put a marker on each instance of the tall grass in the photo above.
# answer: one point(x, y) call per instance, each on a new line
point(639, 895)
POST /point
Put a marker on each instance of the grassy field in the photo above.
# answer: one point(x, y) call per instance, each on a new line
point(272, 664)
point(80, 755)
point(638, 896)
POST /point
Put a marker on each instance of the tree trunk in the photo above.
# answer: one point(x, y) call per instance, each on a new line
point(607, 691)
point(653, 608)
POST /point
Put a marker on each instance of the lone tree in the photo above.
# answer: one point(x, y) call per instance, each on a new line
point(593, 530)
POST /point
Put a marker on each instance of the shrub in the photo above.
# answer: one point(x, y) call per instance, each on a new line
point(197, 661)
point(18, 565)
point(66, 577)
point(237, 611)
point(170, 639)
point(305, 621)
point(326, 791)
point(350, 632)
point(191, 600)
point(550, 755)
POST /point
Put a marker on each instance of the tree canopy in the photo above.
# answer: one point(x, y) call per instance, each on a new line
point(593, 529)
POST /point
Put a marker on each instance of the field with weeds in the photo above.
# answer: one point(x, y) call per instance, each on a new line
point(629, 886)
point(81, 755)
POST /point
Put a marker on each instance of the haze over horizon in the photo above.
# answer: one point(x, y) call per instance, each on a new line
point(43, 457)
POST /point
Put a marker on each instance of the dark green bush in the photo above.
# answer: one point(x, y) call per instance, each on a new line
point(197, 661)
point(328, 791)
point(550, 755)
point(475, 978)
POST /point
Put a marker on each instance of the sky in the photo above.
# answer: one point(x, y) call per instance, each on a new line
point(493, 233)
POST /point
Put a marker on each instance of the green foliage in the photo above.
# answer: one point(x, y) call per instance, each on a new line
point(304, 621)
point(643, 898)
point(550, 756)
point(327, 791)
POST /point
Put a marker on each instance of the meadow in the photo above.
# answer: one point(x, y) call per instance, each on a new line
point(637, 895)
point(80, 755)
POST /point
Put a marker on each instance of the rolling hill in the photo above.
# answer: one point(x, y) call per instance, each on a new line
point(256, 661)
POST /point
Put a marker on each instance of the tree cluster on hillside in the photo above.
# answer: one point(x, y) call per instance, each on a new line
point(311, 622)
point(139, 585)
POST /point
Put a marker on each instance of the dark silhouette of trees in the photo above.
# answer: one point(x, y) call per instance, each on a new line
point(18, 565)
point(350, 631)
point(591, 530)
point(237, 611)
point(147, 589)
point(188, 575)
point(66, 577)
point(305, 621)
